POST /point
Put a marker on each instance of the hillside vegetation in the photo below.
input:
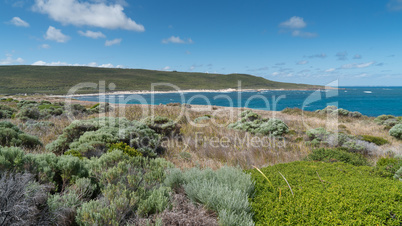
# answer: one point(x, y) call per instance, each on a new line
point(120, 165)
point(59, 79)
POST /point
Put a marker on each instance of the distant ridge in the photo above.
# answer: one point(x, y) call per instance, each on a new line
point(59, 79)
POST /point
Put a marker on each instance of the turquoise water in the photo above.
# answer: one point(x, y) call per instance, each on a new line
point(370, 101)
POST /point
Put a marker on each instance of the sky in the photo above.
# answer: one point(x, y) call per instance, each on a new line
point(357, 43)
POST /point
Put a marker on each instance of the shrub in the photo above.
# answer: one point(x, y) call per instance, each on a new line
point(11, 135)
point(202, 118)
point(20, 198)
point(226, 191)
point(396, 131)
point(355, 114)
point(325, 193)
point(319, 134)
point(130, 186)
point(43, 166)
point(253, 123)
point(100, 108)
point(373, 139)
point(274, 127)
point(157, 202)
point(387, 167)
point(94, 136)
point(11, 158)
point(337, 155)
point(162, 125)
point(38, 125)
point(6, 111)
point(398, 174)
point(125, 148)
point(382, 118)
point(71, 168)
point(63, 206)
point(74, 153)
point(339, 111)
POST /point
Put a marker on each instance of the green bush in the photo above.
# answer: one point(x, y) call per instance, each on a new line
point(253, 123)
point(202, 118)
point(339, 111)
point(396, 131)
point(325, 194)
point(373, 139)
point(71, 168)
point(11, 135)
point(162, 125)
point(274, 127)
point(130, 186)
point(6, 111)
point(11, 158)
point(337, 155)
point(93, 137)
point(100, 108)
point(387, 167)
point(319, 134)
point(382, 118)
point(125, 148)
point(225, 191)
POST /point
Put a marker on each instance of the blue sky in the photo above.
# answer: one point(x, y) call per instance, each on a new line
point(358, 42)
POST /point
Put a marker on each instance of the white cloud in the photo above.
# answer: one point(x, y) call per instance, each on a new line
point(294, 22)
point(303, 34)
point(330, 70)
point(96, 14)
point(177, 40)
point(45, 46)
point(394, 5)
point(55, 35)
point(302, 62)
point(362, 75)
point(10, 60)
point(91, 64)
point(357, 56)
point(113, 42)
point(320, 55)
point(19, 22)
point(342, 55)
point(166, 68)
point(92, 34)
point(363, 65)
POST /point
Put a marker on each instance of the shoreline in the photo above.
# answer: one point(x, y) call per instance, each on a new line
point(229, 90)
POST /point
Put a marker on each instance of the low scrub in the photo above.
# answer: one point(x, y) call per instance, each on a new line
point(11, 135)
point(396, 131)
point(373, 139)
point(333, 110)
point(253, 123)
point(337, 155)
point(93, 137)
point(387, 167)
point(325, 193)
point(225, 191)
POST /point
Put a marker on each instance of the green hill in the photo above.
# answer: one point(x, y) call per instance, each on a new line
point(59, 79)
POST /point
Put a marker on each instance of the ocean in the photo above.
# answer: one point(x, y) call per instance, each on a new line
point(370, 101)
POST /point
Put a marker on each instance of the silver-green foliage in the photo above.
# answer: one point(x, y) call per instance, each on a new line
point(92, 137)
point(253, 123)
point(226, 191)
point(130, 186)
point(396, 131)
point(11, 135)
